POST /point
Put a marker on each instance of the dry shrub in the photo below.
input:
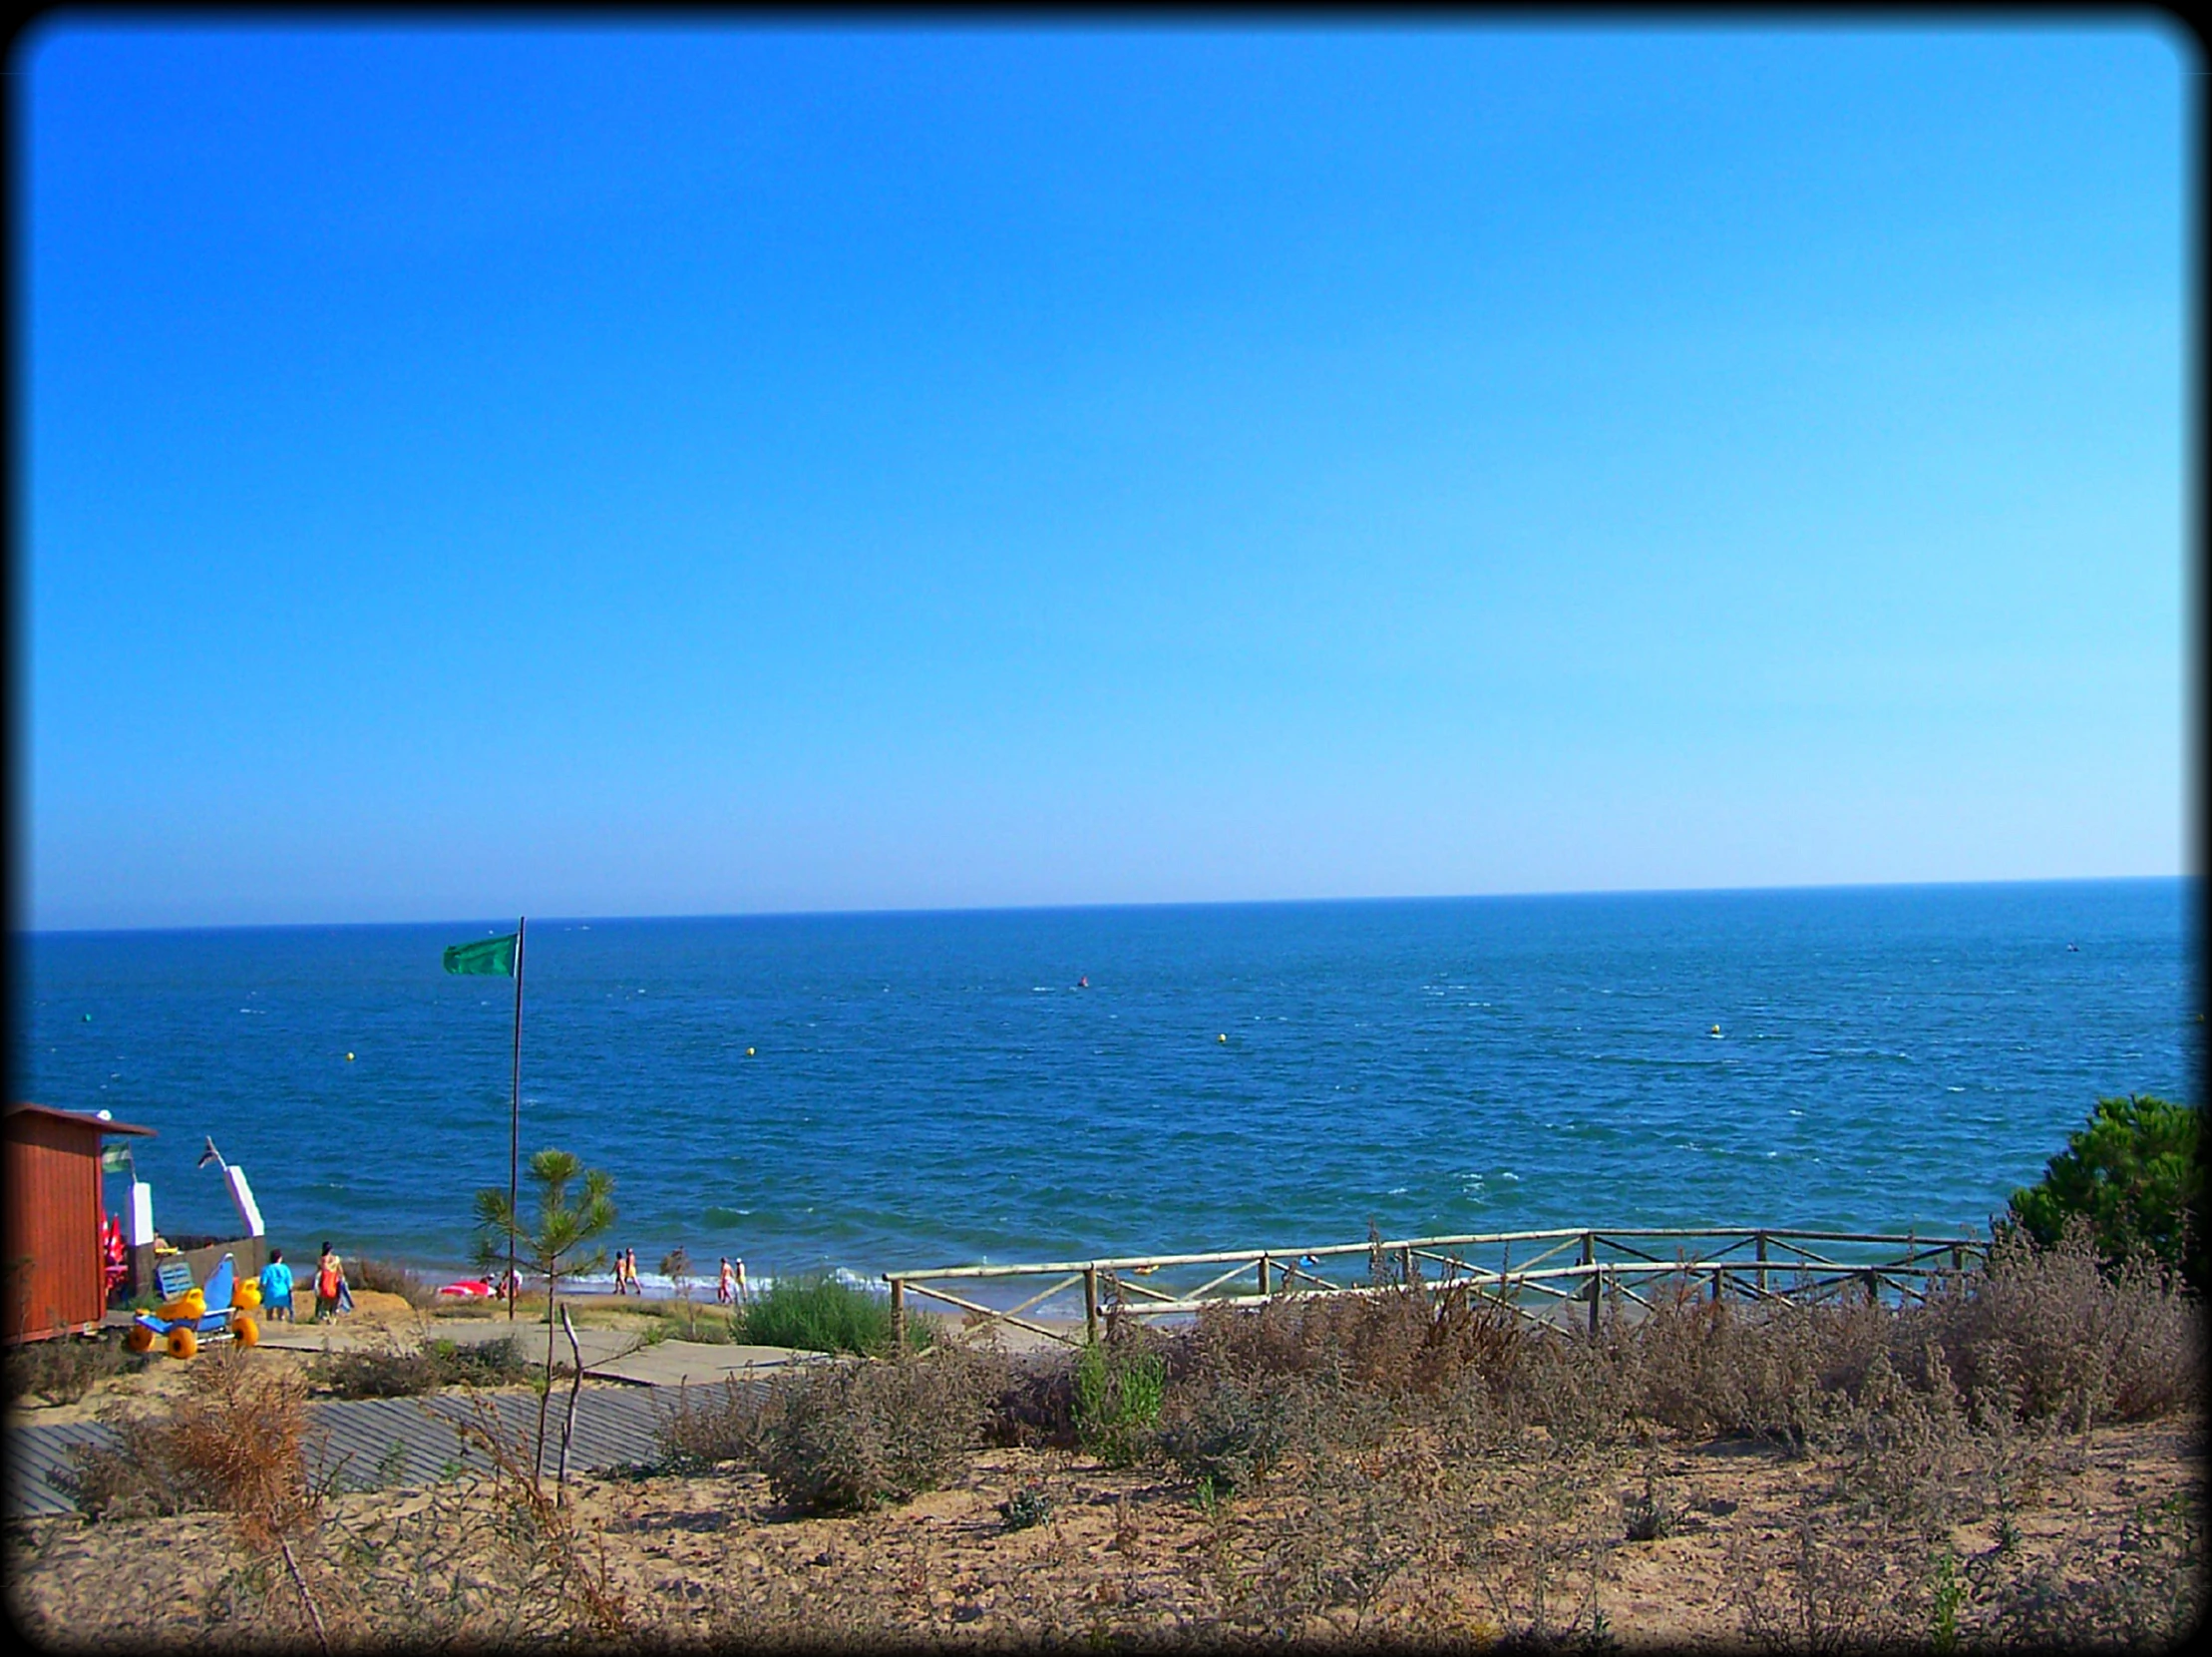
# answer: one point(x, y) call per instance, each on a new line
point(1035, 1405)
point(236, 1441)
point(387, 1278)
point(397, 1369)
point(1584, 1391)
point(1227, 1430)
point(1536, 1536)
point(851, 1437)
point(240, 1432)
point(1836, 1587)
point(2143, 1591)
point(1358, 1523)
point(1399, 1340)
point(392, 1370)
point(1771, 1369)
point(715, 1424)
point(1901, 1452)
point(2049, 1333)
point(131, 1477)
point(482, 1565)
point(64, 1368)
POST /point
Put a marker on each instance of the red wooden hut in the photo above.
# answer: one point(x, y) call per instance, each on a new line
point(54, 1280)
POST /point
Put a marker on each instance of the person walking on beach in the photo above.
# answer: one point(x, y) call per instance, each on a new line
point(725, 1286)
point(276, 1287)
point(330, 1275)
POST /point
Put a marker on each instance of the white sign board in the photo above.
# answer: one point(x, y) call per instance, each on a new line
point(242, 1194)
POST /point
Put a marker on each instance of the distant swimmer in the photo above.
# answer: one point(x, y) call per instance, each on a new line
point(1717, 1030)
point(1083, 983)
point(2076, 947)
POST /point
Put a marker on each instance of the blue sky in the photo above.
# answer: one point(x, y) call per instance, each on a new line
point(713, 470)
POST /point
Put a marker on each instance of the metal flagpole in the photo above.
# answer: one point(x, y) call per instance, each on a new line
point(515, 1130)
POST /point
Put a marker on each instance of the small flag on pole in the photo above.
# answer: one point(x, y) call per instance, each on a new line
point(210, 1154)
point(115, 1159)
point(493, 957)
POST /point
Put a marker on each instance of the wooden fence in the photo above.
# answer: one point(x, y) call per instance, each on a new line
point(1559, 1277)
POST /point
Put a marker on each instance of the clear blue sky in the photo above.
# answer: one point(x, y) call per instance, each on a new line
point(740, 469)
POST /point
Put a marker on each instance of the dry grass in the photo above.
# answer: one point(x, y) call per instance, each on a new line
point(401, 1368)
point(1411, 1465)
point(387, 1278)
point(63, 1370)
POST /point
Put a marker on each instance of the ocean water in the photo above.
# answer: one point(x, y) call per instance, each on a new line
point(872, 1091)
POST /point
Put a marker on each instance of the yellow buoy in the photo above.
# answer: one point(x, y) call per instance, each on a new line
point(349, 1058)
point(748, 1052)
point(1717, 1030)
point(1221, 1038)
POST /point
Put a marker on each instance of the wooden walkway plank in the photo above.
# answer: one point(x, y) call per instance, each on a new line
point(370, 1443)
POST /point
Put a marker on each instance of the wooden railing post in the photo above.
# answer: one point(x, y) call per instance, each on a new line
point(1090, 1303)
point(1590, 1259)
point(1762, 1264)
point(897, 1314)
point(1262, 1277)
point(1407, 1265)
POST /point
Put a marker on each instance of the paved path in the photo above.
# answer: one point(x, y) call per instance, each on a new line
point(608, 1354)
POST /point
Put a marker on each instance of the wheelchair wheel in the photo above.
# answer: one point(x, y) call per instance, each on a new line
point(244, 1329)
point(141, 1339)
point(182, 1343)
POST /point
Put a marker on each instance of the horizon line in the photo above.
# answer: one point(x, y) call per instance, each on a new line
point(1168, 903)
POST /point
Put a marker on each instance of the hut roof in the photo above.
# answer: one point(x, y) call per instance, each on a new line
point(97, 1123)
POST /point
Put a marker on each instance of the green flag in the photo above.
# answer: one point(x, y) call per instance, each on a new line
point(494, 956)
point(115, 1159)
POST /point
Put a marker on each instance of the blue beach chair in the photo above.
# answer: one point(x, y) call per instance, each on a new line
point(188, 1316)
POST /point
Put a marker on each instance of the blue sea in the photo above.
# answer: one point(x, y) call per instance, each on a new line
point(873, 1091)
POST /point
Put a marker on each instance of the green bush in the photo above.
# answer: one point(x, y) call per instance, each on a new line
point(2132, 1174)
point(822, 1314)
point(1118, 1390)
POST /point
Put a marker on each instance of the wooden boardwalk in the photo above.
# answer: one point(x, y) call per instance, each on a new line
point(371, 1443)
